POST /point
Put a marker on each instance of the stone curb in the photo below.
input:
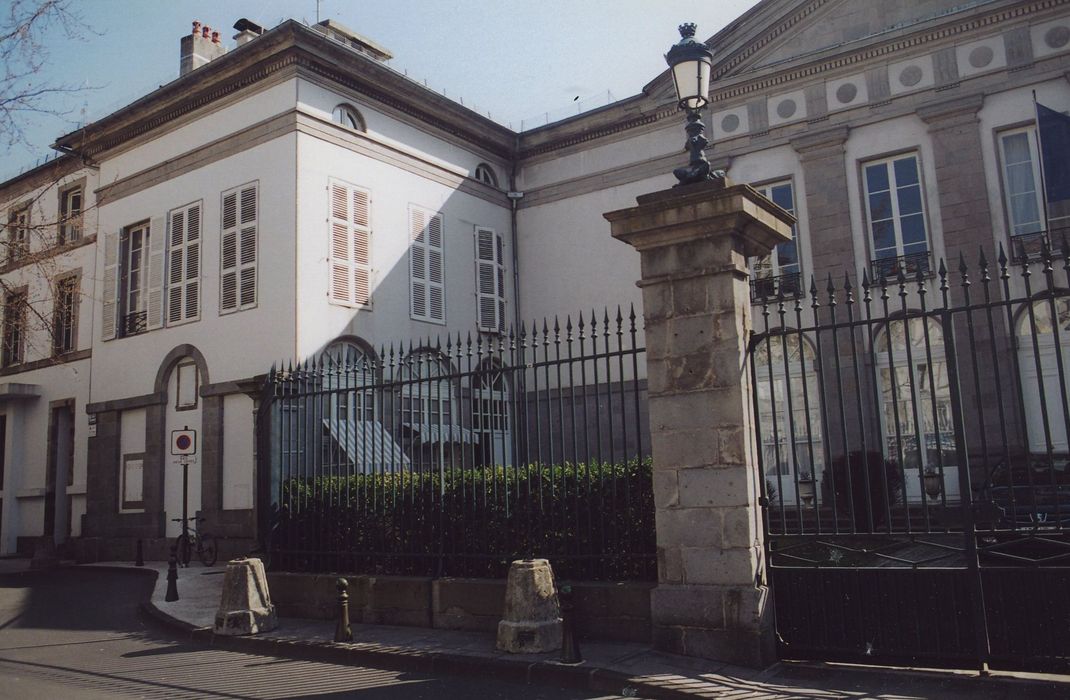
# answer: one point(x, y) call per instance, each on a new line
point(581, 676)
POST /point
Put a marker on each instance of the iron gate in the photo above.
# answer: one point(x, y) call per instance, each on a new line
point(913, 445)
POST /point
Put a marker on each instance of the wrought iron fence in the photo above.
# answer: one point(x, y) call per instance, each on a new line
point(912, 435)
point(456, 456)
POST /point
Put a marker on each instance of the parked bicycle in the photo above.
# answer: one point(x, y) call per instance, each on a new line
point(189, 540)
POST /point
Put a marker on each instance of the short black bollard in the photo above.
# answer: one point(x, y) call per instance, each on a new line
point(570, 648)
point(172, 577)
point(139, 559)
point(343, 633)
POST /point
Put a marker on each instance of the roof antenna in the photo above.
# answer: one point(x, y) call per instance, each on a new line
point(317, 11)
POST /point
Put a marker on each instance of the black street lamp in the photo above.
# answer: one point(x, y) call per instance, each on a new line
point(691, 63)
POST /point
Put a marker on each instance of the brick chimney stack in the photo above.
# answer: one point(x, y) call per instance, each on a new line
point(199, 47)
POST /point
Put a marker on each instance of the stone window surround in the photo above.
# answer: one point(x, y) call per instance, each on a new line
point(24, 291)
point(64, 190)
point(798, 198)
point(997, 134)
point(863, 209)
point(76, 275)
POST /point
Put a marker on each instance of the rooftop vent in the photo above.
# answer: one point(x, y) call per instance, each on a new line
point(345, 35)
point(247, 31)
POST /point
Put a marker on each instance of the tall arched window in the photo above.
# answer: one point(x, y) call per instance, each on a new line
point(789, 413)
point(426, 392)
point(1043, 392)
point(490, 417)
point(915, 401)
point(347, 368)
point(349, 117)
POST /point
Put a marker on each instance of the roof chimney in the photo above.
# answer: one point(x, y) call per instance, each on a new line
point(247, 31)
point(199, 47)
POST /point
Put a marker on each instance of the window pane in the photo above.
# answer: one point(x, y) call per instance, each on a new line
point(781, 196)
point(880, 206)
point(913, 228)
point(876, 177)
point(787, 254)
point(906, 171)
point(909, 200)
point(883, 237)
point(1016, 148)
point(1020, 178)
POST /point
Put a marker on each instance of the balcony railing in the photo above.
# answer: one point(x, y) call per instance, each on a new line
point(788, 284)
point(909, 265)
point(134, 323)
point(1030, 246)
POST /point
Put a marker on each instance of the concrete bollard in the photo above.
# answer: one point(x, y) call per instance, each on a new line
point(532, 621)
point(245, 606)
point(343, 632)
point(172, 576)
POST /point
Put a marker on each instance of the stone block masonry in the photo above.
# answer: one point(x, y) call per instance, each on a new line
point(694, 242)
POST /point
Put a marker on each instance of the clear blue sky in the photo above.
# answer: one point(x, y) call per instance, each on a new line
point(516, 59)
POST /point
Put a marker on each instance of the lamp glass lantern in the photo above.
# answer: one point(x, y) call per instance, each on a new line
point(691, 63)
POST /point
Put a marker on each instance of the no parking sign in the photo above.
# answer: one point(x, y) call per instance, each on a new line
point(183, 442)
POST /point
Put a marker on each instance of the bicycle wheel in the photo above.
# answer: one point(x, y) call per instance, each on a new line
point(206, 549)
point(182, 550)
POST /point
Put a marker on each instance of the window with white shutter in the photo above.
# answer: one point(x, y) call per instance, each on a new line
point(238, 248)
point(427, 293)
point(349, 257)
point(157, 254)
point(184, 264)
point(490, 279)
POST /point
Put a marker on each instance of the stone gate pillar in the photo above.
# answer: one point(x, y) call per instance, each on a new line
point(711, 600)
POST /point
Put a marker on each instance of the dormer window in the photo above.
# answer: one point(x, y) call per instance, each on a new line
point(349, 117)
point(485, 174)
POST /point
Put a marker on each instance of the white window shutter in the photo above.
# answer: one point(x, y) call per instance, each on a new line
point(417, 263)
point(250, 223)
point(228, 254)
point(184, 264)
point(349, 255)
point(238, 243)
point(155, 286)
point(499, 254)
point(111, 284)
point(361, 237)
point(486, 280)
point(436, 303)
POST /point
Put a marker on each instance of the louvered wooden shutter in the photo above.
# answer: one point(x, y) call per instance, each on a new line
point(490, 280)
point(349, 259)
point(111, 284)
point(155, 288)
point(184, 265)
point(238, 249)
point(426, 266)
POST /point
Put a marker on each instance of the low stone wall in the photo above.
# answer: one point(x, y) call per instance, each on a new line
point(611, 611)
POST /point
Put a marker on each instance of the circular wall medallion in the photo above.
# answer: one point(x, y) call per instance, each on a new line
point(981, 56)
point(1057, 37)
point(846, 92)
point(730, 123)
point(786, 109)
point(910, 76)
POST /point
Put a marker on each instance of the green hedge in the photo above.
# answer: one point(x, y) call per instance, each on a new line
point(593, 521)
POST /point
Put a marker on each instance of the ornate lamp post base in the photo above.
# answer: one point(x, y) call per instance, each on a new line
point(698, 169)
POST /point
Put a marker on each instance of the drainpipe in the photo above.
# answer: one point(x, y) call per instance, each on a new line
point(514, 199)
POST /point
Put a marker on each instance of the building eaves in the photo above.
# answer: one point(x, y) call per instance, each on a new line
point(291, 44)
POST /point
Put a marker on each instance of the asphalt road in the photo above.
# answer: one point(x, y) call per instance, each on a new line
point(75, 633)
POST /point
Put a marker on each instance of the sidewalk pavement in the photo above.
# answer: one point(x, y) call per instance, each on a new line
point(621, 668)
